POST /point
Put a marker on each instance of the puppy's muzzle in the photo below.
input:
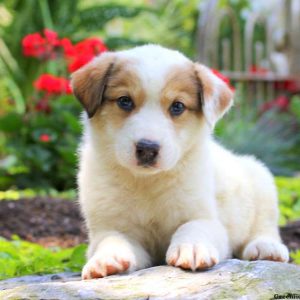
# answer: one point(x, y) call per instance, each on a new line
point(147, 152)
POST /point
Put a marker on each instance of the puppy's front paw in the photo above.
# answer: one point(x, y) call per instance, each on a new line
point(192, 256)
point(108, 261)
point(266, 249)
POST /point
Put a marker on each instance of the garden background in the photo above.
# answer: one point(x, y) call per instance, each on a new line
point(43, 41)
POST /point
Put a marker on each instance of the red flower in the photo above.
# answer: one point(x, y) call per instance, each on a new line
point(83, 52)
point(45, 138)
point(51, 37)
point(91, 46)
point(258, 70)
point(79, 61)
point(46, 46)
point(33, 45)
point(68, 47)
point(223, 77)
point(291, 86)
point(281, 103)
point(53, 85)
point(43, 105)
point(39, 46)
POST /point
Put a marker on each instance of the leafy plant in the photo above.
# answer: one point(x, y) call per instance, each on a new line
point(270, 136)
point(33, 193)
point(69, 18)
point(18, 258)
point(41, 148)
point(295, 106)
point(289, 198)
point(172, 24)
point(295, 255)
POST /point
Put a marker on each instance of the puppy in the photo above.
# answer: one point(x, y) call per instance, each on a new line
point(154, 186)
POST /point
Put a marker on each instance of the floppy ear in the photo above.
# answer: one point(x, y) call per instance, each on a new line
point(216, 96)
point(89, 82)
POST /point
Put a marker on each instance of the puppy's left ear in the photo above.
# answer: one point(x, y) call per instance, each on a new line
point(89, 82)
point(215, 95)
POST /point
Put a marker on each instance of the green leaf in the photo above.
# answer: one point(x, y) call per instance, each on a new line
point(295, 255)
point(77, 258)
point(18, 258)
point(94, 18)
point(295, 106)
point(11, 122)
point(123, 42)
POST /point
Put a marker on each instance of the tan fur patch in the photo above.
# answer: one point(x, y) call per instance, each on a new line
point(226, 96)
point(224, 93)
point(181, 85)
point(123, 81)
point(204, 81)
point(89, 82)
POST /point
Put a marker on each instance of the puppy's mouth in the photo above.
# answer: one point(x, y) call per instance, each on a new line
point(147, 169)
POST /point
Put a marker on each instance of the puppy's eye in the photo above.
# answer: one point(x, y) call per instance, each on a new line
point(177, 108)
point(125, 103)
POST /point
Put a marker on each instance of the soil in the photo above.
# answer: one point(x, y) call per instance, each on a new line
point(49, 222)
point(56, 222)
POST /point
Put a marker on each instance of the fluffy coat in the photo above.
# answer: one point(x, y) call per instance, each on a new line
point(199, 203)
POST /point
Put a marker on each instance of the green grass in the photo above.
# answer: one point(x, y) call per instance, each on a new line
point(289, 205)
point(31, 193)
point(18, 258)
point(289, 198)
point(295, 255)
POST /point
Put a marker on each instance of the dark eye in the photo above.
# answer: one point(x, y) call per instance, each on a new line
point(177, 108)
point(125, 103)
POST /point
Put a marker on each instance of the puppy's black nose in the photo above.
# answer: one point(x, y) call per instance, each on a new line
point(146, 152)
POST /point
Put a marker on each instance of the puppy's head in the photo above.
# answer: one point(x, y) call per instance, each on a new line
point(148, 106)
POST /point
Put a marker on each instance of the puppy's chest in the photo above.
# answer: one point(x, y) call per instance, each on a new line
point(159, 216)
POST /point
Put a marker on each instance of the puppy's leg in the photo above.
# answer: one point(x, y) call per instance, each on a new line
point(111, 253)
point(266, 248)
point(198, 244)
point(264, 241)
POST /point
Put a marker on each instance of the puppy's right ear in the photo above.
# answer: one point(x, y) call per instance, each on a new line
point(89, 82)
point(217, 96)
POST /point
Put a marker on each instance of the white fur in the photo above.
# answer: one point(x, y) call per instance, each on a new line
point(150, 123)
point(200, 205)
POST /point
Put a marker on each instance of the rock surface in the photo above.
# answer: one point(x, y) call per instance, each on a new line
point(232, 279)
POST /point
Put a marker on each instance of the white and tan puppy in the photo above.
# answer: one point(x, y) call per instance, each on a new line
point(154, 186)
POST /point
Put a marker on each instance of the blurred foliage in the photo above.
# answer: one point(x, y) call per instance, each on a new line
point(18, 258)
point(32, 193)
point(66, 17)
point(174, 23)
point(272, 136)
point(289, 199)
point(32, 162)
point(295, 106)
point(295, 255)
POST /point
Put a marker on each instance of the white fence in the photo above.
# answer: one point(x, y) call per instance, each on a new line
point(262, 68)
